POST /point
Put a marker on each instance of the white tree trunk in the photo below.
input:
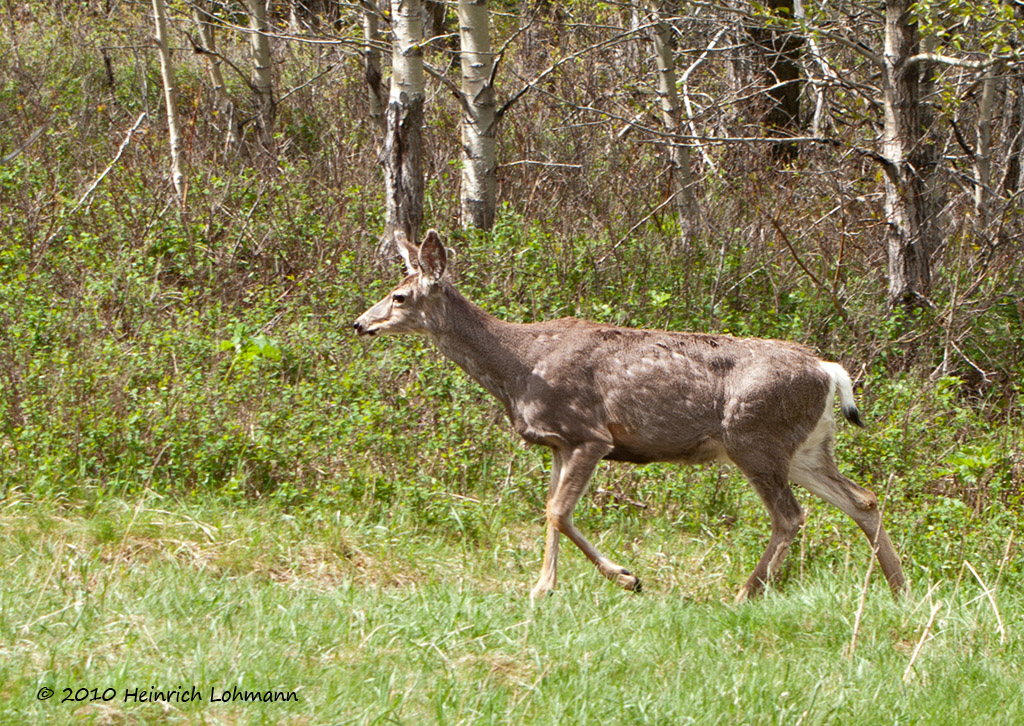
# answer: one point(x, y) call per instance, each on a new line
point(668, 97)
point(479, 123)
point(225, 108)
point(371, 62)
point(262, 79)
point(911, 227)
point(1017, 149)
point(983, 145)
point(403, 139)
point(170, 98)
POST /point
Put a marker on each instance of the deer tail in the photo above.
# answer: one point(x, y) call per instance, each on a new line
point(844, 386)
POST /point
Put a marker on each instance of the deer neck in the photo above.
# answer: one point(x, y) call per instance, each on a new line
point(492, 351)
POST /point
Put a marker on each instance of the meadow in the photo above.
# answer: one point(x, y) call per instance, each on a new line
point(368, 624)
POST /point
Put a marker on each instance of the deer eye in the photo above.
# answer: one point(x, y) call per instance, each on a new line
point(399, 298)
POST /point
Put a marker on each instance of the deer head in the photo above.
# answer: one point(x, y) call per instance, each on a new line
point(408, 308)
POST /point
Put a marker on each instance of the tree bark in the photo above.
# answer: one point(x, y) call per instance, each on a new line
point(782, 72)
point(910, 225)
point(403, 139)
point(479, 122)
point(226, 109)
point(1013, 173)
point(668, 98)
point(371, 62)
point(170, 99)
point(983, 146)
point(262, 79)
point(434, 12)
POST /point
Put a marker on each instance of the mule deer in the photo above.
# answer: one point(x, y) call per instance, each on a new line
point(590, 392)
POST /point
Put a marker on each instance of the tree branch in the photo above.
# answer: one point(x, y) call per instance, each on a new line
point(449, 84)
point(92, 187)
point(951, 61)
point(559, 63)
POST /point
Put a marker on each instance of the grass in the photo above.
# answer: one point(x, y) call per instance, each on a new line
point(369, 623)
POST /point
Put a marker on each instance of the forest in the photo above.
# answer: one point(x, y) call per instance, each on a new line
point(209, 482)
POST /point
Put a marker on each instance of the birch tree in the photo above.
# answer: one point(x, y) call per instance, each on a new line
point(170, 98)
point(371, 62)
point(985, 37)
point(668, 99)
point(262, 79)
point(479, 119)
point(208, 48)
point(403, 138)
point(907, 157)
point(983, 192)
point(910, 232)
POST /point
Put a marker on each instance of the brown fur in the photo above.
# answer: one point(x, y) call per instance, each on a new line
point(590, 391)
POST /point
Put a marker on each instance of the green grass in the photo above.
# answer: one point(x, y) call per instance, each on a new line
point(369, 623)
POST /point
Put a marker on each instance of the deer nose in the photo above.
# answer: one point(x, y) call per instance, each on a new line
point(357, 326)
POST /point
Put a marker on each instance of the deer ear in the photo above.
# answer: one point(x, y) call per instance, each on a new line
point(433, 258)
point(407, 250)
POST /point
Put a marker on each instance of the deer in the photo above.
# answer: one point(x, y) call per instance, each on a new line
point(590, 392)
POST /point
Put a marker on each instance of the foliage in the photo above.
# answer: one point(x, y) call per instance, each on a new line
point(205, 477)
point(990, 27)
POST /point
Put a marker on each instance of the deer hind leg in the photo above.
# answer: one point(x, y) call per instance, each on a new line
point(786, 517)
point(814, 468)
point(577, 466)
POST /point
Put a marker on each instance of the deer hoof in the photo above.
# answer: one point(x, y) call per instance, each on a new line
point(538, 593)
point(628, 581)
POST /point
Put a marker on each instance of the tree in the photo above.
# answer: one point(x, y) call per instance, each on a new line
point(434, 12)
point(479, 119)
point(371, 62)
point(262, 78)
point(907, 156)
point(208, 48)
point(403, 138)
point(170, 98)
point(910, 232)
point(781, 46)
point(982, 153)
point(668, 97)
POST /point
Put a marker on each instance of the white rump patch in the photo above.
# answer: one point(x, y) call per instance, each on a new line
point(813, 454)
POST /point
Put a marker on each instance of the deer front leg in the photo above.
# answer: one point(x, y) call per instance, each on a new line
point(548, 570)
point(577, 466)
